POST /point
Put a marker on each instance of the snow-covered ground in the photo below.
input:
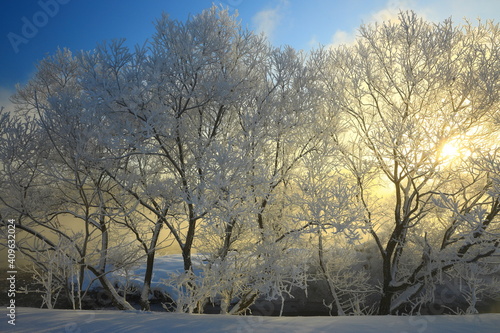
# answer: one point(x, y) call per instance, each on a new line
point(43, 320)
point(164, 266)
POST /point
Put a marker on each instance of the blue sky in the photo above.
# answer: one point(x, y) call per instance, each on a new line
point(30, 30)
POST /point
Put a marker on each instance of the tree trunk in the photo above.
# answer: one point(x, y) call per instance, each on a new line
point(386, 299)
point(188, 244)
point(144, 301)
point(119, 302)
point(331, 287)
point(384, 307)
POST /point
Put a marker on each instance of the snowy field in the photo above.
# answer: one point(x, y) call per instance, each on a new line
point(43, 320)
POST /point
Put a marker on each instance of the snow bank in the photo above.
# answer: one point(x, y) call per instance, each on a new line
point(164, 266)
point(43, 320)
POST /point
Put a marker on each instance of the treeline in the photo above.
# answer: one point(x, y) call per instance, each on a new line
point(279, 166)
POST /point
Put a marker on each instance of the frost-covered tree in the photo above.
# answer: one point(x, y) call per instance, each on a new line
point(412, 90)
point(252, 219)
point(264, 160)
point(332, 218)
point(174, 104)
point(171, 115)
point(70, 166)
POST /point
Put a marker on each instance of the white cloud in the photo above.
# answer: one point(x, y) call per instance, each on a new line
point(438, 11)
point(460, 9)
point(435, 11)
point(388, 13)
point(343, 37)
point(391, 11)
point(267, 20)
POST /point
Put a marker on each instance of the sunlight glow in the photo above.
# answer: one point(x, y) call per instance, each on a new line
point(450, 150)
point(455, 151)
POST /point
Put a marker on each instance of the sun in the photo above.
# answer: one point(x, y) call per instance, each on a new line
point(450, 151)
point(454, 151)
